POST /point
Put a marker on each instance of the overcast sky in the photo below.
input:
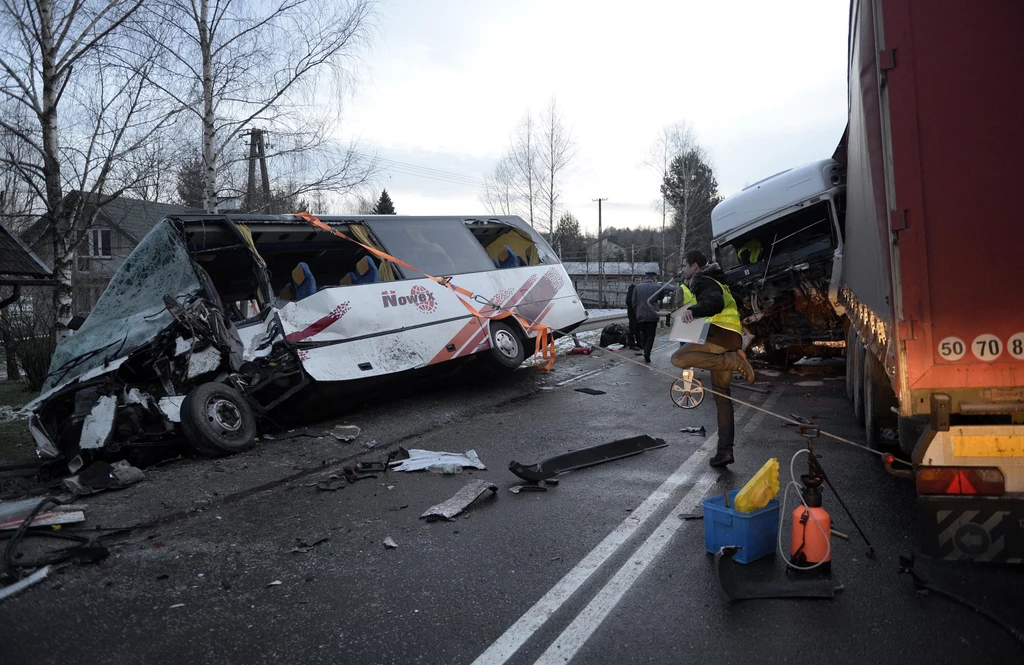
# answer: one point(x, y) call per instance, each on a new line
point(446, 82)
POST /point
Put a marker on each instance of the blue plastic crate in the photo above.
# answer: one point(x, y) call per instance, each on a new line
point(756, 533)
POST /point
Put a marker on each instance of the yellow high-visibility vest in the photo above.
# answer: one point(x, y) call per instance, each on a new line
point(729, 317)
point(753, 250)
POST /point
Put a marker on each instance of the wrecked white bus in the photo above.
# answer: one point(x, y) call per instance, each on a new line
point(214, 321)
point(780, 243)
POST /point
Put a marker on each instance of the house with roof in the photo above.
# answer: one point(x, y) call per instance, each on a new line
point(118, 228)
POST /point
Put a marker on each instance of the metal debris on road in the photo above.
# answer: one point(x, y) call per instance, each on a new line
point(306, 545)
point(694, 430)
point(578, 459)
point(332, 484)
point(100, 476)
point(21, 585)
point(590, 391)
point(418, 460)
point(173, 607)
point(14, 513)
point(274, 583)
point(370, 445)
point(345, 433)
point(459, 502)
point(389, 543)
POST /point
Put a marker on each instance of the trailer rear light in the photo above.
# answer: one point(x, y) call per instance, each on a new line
point(986, 481)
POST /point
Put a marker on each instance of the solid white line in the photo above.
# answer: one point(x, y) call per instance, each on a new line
point(583, 626)
point(517, 635)
point(755, 422)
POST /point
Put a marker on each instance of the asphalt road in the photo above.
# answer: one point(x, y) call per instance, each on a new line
point(600, 569)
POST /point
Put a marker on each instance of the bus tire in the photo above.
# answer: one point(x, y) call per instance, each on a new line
point(217, 420)
point(507, 351)
point(878, 402)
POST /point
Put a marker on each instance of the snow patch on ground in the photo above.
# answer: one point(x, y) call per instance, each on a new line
point(601, 313)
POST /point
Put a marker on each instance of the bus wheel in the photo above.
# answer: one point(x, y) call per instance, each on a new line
point(506, 352)
point(217, 420)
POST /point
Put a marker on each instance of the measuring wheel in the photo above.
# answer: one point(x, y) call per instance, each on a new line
point(687, 392)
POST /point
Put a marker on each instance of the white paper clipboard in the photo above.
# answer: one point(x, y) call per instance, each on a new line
point(695, 331)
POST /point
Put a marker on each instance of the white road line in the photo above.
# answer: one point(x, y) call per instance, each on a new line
point(755, 422)
point(517, 635)
point(583, 626)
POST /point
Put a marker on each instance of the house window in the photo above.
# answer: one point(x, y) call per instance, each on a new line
point(99, 243)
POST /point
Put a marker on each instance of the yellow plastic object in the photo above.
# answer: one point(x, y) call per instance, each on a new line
point(760, 489)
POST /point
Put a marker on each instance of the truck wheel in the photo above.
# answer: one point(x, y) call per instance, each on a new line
point(858, 352)
point(506, 352)
point(217, 420)
point(878, 402)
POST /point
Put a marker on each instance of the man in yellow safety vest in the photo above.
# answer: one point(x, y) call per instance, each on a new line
point(706, 297)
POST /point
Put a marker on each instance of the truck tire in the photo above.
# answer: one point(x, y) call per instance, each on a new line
point(507, 351)
point(878, 402)
point(217, 420)
point(858, 352)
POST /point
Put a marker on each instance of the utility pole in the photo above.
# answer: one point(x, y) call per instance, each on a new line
point(257, 152)
point(600, 254)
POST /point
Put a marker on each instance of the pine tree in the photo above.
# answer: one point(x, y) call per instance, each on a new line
point(384, 205)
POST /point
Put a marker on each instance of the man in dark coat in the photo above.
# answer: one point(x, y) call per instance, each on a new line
point(632, 337)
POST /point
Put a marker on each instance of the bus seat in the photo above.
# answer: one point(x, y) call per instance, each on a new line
point(507, 258)
point(365, 273)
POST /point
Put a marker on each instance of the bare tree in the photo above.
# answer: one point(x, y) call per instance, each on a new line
point(83, 106)
point(279, 64)
point(499, 194)
point(524, 159)
point(672, 141)
point(557, 150)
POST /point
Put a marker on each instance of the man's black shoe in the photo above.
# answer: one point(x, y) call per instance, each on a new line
point(647, 359)
point(721, 459)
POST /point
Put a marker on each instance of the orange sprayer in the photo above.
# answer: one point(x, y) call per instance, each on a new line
point(811, 539)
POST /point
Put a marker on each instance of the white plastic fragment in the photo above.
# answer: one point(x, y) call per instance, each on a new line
point(171, 407)
point(459, 502)
point(177, 606)
point(136, 396)
point(422, 459)
point(274, 583)
point(345, 432)
point(99, 423)
point(21, 585)
point(181, 346)
point(204, 362)
point(390, 543)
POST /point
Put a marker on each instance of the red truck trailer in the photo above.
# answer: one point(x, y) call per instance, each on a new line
point(932, 278)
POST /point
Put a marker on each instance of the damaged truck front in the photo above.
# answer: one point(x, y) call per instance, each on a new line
point(156, 352)
point(780, 243)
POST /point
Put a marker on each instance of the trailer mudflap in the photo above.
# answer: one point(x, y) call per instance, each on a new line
point(972, 528)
